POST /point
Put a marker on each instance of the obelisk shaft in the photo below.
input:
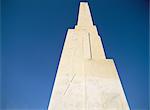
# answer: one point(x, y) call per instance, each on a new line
point(85, 79)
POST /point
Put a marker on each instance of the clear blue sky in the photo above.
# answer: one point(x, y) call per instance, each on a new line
point(33, 33)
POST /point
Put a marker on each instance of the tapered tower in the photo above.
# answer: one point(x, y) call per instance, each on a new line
point(86, 79)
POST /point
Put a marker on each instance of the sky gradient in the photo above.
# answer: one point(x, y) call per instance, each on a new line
point(33, 33)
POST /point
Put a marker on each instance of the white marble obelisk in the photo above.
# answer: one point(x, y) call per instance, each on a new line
point(85, 79)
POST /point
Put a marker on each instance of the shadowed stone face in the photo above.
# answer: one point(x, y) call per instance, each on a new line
point(85, 79)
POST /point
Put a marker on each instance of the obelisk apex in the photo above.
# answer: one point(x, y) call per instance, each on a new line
point(84, 17)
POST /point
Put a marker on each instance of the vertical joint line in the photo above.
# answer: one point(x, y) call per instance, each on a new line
point(90, 46)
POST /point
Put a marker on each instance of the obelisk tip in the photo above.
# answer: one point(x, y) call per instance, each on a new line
point(84, 17)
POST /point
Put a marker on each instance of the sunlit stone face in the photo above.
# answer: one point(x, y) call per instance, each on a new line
point(85, 79)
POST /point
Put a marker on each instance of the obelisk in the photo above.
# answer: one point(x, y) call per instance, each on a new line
point(86, 79)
